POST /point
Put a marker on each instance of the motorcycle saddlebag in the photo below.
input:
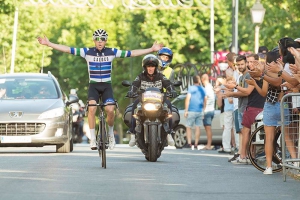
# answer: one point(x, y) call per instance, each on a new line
point(175, 117)
point(128, 115)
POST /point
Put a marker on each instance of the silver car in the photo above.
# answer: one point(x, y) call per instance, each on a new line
point(180, 129)
point(34, 112)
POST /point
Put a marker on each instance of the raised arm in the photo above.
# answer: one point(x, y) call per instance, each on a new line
point(45, 41)
point(155, 47)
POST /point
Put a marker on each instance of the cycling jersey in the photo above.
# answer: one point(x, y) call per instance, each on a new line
point(99, 62)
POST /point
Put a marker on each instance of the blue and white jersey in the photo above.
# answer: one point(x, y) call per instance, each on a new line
point(100, 62)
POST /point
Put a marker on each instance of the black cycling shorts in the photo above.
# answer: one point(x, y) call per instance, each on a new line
point(103, 90)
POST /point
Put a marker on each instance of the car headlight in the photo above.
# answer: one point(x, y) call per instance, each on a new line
point(57, 112)
point(152, 106)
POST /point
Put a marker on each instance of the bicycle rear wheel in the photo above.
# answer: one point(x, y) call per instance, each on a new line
point(256, 150)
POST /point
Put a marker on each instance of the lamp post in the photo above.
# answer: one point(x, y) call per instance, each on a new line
point(257, 14)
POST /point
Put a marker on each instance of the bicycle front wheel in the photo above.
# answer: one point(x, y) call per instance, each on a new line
point(103, 146)
point(256, 150)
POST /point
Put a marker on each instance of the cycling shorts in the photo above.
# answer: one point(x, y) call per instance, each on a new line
point(103, 90)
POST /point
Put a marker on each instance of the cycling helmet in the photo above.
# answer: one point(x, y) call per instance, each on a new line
point(100, 33)
point(152, 60)
point(165, 51)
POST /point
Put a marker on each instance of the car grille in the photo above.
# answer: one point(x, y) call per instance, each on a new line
point(15, 129)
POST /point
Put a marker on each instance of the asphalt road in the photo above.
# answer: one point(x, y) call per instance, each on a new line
point(40, 173)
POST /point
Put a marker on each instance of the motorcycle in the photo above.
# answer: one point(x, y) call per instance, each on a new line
point(152, 120)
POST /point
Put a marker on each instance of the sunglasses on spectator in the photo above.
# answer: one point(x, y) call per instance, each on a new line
point(100, 38)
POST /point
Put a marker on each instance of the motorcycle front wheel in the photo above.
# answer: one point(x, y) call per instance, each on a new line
point(153, 144)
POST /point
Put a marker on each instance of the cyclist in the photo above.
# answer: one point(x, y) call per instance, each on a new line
point(165, 55)
point(99, 60)
point(150, 77)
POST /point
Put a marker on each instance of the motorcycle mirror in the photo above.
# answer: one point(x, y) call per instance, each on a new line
point(126, 83)
point(177, 83)
point(72, 99)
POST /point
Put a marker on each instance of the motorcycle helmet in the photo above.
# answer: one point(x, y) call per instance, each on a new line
point(100, 33)
point(165, 51)
point(152, 60)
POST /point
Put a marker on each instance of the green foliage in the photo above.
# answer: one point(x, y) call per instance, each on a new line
point(185, 31)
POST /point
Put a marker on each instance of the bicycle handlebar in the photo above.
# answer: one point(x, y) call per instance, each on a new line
point(104, 104)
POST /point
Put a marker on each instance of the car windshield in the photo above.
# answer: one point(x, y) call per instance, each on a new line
point(27, 88)
point(179, 102)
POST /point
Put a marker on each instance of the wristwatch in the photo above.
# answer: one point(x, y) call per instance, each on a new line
point(279, 73)
point(262, 76)
point(236, 86)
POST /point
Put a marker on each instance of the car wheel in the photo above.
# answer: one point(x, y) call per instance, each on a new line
point(180, 136)
point(63, 148)
point(68, 146)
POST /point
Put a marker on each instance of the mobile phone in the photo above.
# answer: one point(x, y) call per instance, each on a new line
point(284, 88)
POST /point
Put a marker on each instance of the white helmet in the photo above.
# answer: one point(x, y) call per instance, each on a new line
point(73, 92)
point(100, 33)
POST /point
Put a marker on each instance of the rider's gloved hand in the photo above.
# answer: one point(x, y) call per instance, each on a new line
point(173, 93)
point(130, 94)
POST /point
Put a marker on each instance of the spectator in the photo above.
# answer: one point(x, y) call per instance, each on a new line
point(2, 91)
point(42, 93)
point(254, 107)
point(271, 114)
point(235, 75)
point(220, 101)
point(209, 110)
point(242, 99)
point(230, 60)
point(284, 68)
point(263, 49)
point(228, 122)
point(195, 104)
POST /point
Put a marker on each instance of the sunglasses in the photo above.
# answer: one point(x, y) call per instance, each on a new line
point(100, 39)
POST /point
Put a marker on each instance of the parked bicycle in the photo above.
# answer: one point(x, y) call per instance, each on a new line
point(102, 134)
point(256, 147)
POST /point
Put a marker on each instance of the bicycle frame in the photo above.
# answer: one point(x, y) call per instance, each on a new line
point(102, 143)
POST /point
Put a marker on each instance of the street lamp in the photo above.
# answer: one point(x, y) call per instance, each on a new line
point(257, 13)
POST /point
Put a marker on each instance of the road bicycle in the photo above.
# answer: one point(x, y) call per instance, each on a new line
point(256, 147)
point(102, 134)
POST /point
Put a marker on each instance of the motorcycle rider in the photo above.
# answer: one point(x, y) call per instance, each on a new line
point(150, 78)
point(165, 55)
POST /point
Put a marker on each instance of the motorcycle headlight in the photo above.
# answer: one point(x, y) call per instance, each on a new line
point(57, 112)
point(152, 106)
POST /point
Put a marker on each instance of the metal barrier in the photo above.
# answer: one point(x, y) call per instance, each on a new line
point(290, 134)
